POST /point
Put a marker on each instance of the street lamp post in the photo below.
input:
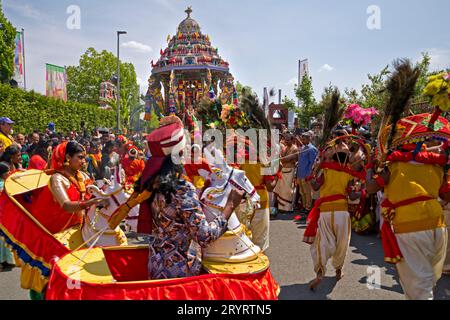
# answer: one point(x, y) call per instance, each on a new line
point(118, 79)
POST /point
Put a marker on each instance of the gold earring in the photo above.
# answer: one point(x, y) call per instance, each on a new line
point(66, 164)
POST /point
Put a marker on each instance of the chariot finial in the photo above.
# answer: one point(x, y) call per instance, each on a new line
point(189, 11)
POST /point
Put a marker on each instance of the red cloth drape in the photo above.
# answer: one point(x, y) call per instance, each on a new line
point(392, 253)
point(40, 245)
point(259, 286)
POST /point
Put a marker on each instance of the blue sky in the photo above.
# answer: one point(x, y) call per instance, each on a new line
point(262, 39)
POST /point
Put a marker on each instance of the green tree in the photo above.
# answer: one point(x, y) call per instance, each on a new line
point(95, 67)
point(424, 66)
point(373, 94)
point(308, 105)
point(352, 96)
point(7, 47)
point(240, 87)
point(289, 104)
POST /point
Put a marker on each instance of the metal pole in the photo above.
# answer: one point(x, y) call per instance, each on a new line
point(299, 79)
point(118, 82)
point(24, 70)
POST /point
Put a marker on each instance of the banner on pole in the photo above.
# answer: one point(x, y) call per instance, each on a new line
point(19, 72)
point(56, 82)
point(303, 71)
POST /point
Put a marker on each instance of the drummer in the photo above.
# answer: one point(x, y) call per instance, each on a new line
point(61, 205)
point(175, 218)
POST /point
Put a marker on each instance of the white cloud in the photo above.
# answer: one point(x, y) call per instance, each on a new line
point(25, 10)
point(292, 82)
point(137, 46)
point(440, 58)
point(326, 67)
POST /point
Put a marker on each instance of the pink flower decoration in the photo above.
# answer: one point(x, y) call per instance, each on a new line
point(359, 116)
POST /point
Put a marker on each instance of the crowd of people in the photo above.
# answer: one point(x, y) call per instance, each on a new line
point(103, 155)
point(328, 189)
point(294, 193)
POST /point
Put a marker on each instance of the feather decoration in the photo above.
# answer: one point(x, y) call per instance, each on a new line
point(400, 88)
point(333, 114)
point(251, 107)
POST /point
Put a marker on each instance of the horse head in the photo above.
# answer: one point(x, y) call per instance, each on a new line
point(220, 170)
point(224, 175)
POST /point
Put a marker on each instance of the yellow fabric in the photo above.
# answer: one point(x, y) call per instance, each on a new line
point(409, 180)
point(94, 269)
point(7, 140)
point(258, 265)
point(335, 183)
point(198, 182)
point(253, 173)
point(71, 238)
point(31, 278)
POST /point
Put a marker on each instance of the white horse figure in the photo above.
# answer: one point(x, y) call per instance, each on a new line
point(96, 219)
point(234, 246)
point(131, 222)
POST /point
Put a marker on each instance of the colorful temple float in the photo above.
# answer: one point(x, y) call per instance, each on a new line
point(189, 69)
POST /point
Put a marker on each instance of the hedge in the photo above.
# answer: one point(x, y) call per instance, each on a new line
point(33, 111)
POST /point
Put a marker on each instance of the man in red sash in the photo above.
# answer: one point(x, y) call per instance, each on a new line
point(329, 226)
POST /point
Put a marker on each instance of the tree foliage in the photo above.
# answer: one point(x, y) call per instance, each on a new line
point(309, 108)
point(289, 104)
point(240, 87)
point(7, 47)
point(95, 67)
point(33, 111)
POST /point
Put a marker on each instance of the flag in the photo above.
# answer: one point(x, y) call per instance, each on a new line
point(19, 72)
point(303, 70)
point(56, 82)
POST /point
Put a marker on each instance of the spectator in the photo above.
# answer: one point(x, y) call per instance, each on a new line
point(2, 147)
point(6, 126)
point(306, 159)
point(40, 155)
point(284, 187)
point(33, 139)
point(13, 157)
point(20, 140)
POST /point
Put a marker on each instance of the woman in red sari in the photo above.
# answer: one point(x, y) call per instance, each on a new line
point(62, 203)
point(40, 154)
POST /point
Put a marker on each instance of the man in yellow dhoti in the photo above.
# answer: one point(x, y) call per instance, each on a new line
point(446, 207)
point(261, 220)
point(413, 153)
point(329, 225)
point(416, 218)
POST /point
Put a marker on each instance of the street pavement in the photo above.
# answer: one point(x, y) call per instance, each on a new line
point(292, 268)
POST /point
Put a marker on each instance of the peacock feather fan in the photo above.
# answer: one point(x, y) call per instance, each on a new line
point(333, 114)
point(400, 88)
point(249, 104)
